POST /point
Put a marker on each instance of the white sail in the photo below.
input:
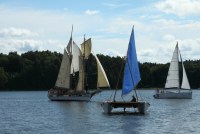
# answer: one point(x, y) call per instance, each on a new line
point(102, 80)
point(185, 83)
point(76, 52)
point(63, 80)
point(173, 73)
point(86, 47)
point(69, 46)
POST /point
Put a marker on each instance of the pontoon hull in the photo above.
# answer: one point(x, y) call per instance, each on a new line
point(108, 106)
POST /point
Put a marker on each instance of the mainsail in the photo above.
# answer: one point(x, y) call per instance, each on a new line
point(102, 80)
point(63, 80)
point(131, 73)
point(173, 73)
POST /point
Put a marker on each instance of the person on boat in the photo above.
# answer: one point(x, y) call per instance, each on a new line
point(157, 90)
point(133, 99)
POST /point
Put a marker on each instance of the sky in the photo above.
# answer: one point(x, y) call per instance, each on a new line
point(30, 25)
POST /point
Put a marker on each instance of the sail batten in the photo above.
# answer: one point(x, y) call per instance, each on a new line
point(131, 73)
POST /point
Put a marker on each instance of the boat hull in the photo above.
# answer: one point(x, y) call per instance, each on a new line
point(108, 106)
point(173, 95)
point(83, 97)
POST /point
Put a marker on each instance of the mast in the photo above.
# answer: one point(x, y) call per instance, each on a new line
point(70, 57)
point(118, 81)
point(178, 52)
point(85, 69)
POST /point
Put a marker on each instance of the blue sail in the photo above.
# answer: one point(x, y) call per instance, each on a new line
point(131, 72)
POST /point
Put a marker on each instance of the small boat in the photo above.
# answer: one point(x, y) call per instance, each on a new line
point(130, 81)
point(173, 89)
point(74, 61)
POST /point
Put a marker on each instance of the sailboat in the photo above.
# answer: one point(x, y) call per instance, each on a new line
point(73, 61)
point(173, 89)
point(130, 81)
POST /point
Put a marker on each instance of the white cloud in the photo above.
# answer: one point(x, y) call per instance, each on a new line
point(20, 45)
point(168, 37)
point(91, 12)
point(114, 5)
point(113, 53)
point(179, 7)
point(16, 32)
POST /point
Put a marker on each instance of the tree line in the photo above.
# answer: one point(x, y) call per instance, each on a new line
point(39, 70)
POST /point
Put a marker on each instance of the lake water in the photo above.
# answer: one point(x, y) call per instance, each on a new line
point(32, 113)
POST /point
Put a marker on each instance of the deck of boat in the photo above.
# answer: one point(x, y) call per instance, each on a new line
point(123, 104)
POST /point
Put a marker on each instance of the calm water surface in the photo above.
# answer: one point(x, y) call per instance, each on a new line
point(32, 113)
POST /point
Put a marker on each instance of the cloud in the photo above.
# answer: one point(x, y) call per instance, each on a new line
point(113, 5)
point(179, 7)
point(91, 12)
point(16, 32)
point(20, 45)
point(168, 37)
point(113, 53)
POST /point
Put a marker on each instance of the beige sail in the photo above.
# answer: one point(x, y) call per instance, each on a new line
point(86, 47)
point(63, 80)
point(102, 80)
point(80, 85)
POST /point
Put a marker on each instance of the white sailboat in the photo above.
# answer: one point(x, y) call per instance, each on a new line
point(131, 79)
point(74, 60)
point(173, 89)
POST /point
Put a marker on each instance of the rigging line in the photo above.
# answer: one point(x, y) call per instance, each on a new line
point(122, 65)
point(140, 95)
point(178, 53)
point(131, 74)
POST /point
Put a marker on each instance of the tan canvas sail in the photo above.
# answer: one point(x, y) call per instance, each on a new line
point(86, 47)
point(80, 85)
point(102, 80)
point(63, 80)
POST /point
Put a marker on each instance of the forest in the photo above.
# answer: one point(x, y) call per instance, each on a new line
point(38, 70)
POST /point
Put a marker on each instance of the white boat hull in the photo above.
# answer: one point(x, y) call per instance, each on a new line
point(83, 97)
point(108, 106)
point(173, 95)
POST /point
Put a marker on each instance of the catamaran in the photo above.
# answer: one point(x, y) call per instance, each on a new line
point(173, 89)
point(131, 80)
point(74, 60)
